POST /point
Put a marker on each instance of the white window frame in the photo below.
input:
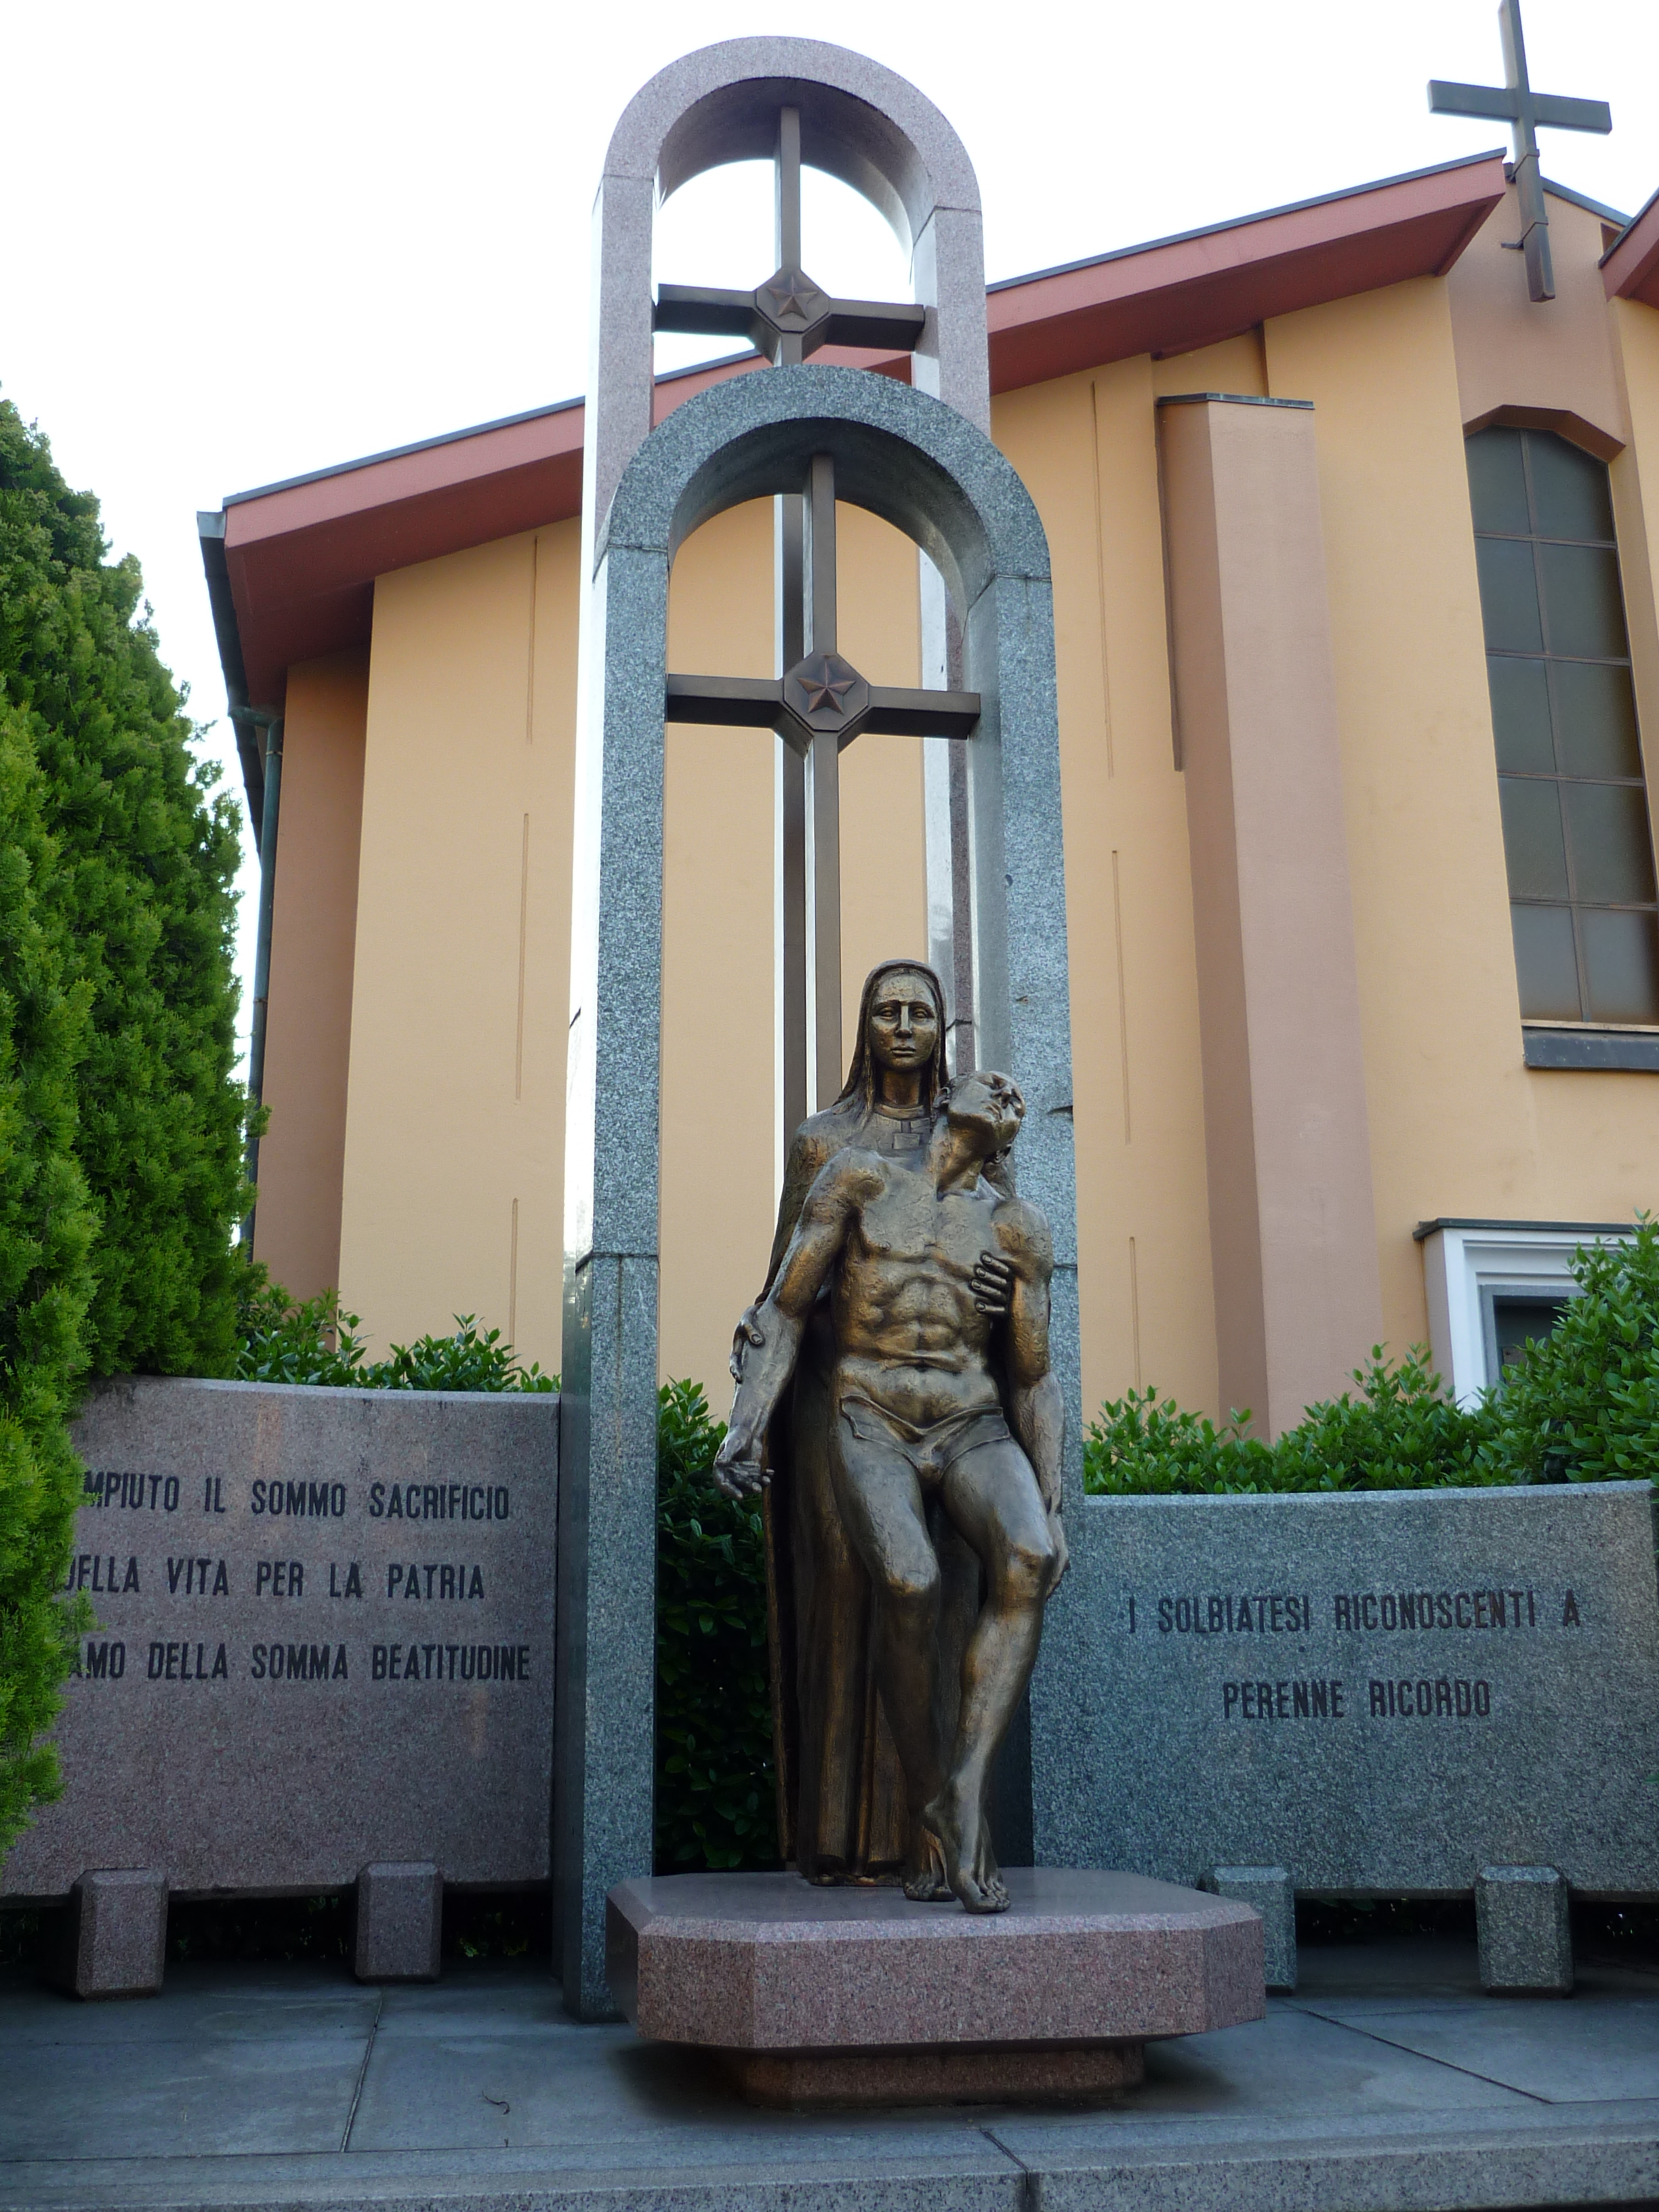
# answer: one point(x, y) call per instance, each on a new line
point(1467, 1263)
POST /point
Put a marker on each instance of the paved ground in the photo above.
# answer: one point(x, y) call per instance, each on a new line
point(1387, 2080)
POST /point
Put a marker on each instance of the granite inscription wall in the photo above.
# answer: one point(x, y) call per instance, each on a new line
point(1384, 1691)
point(324, 1637)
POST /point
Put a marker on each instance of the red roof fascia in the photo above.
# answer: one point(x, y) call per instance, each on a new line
point(1630, 267)
point(1192, 291)
point(303, 556)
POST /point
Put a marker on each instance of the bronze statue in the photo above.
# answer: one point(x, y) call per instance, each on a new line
point(922, 1257)
point(842, 1812)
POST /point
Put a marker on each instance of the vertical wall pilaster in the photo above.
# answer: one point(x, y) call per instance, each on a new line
point(1292, 1219)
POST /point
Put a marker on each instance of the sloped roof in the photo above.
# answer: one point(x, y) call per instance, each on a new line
point(300, 557)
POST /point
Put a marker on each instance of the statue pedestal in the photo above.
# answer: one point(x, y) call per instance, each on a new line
point(858, 1996)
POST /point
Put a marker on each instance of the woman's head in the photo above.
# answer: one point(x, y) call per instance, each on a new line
point(900, 1028)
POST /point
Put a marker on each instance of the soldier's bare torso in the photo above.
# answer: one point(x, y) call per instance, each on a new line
point(912, 1339)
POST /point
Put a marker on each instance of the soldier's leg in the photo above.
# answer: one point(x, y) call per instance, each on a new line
point(881, 1506)
point(992, 1495)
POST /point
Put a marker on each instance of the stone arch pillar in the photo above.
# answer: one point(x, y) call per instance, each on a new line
point(934, 475)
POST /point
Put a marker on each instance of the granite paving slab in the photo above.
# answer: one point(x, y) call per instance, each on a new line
point(1295, 2061)
point(1551, 2048)
point(280, 2087)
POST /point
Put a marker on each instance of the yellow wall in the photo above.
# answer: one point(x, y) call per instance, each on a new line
point(458, 999)
point(1459, 1126)
point(455, 1125)
point(296, 1229)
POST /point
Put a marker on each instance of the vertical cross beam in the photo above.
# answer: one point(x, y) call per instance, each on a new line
point(789, 537)
point(822, 1007)
point(789, 530)
point(1528, 175)
point(786, 185)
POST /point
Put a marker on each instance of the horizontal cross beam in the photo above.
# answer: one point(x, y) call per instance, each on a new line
point(756, 702)
point(710, 311)
point(1502, 104)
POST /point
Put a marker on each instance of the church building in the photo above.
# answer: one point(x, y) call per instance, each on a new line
point(1353, 545)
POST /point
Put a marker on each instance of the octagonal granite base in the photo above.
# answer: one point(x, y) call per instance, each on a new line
point(858, 1996)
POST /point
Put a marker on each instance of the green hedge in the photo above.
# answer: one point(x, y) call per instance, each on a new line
point(716, 1789)
point(121, 1132)
point(283, 1339)
point(1581, 1405)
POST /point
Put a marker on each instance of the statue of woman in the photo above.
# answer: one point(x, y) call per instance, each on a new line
point(841, 1815)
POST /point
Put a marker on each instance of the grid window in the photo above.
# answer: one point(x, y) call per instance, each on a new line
point(1582, 897)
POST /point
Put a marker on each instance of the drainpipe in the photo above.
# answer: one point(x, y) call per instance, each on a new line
point(273, 726)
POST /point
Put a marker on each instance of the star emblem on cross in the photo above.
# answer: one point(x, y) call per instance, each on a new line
point(825, 688)
point(794, 296)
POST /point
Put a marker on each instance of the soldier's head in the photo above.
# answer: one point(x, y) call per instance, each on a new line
point(985, 1107)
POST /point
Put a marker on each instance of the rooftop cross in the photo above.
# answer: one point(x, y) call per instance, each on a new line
point(819, 702)
point(1524, 110)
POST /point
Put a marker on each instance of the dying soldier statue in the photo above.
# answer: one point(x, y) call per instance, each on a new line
point(936, 1392)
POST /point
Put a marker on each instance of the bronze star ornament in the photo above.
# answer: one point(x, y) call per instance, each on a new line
point(826, 688)
point(792, 300)
point(825, 694)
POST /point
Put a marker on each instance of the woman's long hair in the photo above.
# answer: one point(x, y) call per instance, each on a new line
point(861, 1088)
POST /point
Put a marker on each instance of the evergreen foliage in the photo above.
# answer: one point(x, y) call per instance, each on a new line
point(120, 1130)
point(146, 862)
point(46, 1280)
point(715, 1803)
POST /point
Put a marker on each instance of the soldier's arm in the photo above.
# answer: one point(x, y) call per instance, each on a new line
point(830, 1206)
point(1035, 1405)
point(808, 1152)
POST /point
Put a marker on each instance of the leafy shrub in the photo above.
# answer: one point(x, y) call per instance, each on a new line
point(1579, 1405)
point(715, 1806)
point(311, 1341)
point(1582, 1404)
point(1399, 1432)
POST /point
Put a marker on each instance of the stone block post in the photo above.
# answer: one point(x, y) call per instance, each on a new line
point(1269, 1889)
point(400, 1910)
point(115, 1939)
point(1525, 1932)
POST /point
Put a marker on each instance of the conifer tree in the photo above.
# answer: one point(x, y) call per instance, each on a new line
point(121, 1131)
point(45, 1275)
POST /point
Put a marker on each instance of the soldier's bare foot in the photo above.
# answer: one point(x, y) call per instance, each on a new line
point(951, 1823)
point(988, 1874)
point(925, 1881)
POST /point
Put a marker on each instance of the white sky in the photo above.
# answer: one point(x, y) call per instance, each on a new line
point(242, 243)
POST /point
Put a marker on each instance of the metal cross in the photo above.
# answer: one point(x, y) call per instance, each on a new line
point(819, 702)
point(1525, 111)
point(789, 316)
